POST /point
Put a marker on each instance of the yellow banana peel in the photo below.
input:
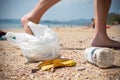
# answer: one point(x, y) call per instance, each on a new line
point(55, 63)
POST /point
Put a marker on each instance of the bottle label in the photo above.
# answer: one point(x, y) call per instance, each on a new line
point(89, 53)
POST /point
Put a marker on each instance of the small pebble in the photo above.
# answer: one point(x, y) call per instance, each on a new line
point(86, 77)
point(80, 41)
point(34, 70)
point(1, 49)
point(80, 68)
point(36, 78)
point(23, 77)
point(77, 75)
point(61, 44)
point(3, 53)
point(62, 57)
point(31, 76)
point(84, 62)
point(52, 69)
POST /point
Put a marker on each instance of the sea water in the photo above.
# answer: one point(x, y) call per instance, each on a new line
point(10, 24)
point(16, 23)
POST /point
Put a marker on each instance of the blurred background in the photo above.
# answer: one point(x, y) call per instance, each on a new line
point(66, 13)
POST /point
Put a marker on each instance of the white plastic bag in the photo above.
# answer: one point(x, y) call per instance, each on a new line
point(43, 45)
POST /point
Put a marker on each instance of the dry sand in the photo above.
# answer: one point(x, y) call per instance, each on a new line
point(13, 65)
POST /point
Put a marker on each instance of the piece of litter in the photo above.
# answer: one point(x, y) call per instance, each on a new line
point(80, 68)
point(55, 63)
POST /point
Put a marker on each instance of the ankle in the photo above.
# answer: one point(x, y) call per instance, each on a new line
point(100, 40)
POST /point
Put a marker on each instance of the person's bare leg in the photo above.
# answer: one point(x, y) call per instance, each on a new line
point(36, 14)
point(101, 38)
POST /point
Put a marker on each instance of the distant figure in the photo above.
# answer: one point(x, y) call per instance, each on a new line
point(101, 8)
point(2, 35)
point(93, 23)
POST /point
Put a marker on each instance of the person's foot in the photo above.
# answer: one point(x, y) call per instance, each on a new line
point(25, 19)
point(105, 42)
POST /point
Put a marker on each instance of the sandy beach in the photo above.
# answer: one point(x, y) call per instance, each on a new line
point(73, 42)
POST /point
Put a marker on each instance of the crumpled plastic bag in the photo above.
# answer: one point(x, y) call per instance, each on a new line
point(43, 45)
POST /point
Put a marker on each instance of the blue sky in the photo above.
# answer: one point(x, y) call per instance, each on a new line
point(63, 11)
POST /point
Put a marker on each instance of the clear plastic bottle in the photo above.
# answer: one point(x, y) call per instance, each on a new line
point(102, 57)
